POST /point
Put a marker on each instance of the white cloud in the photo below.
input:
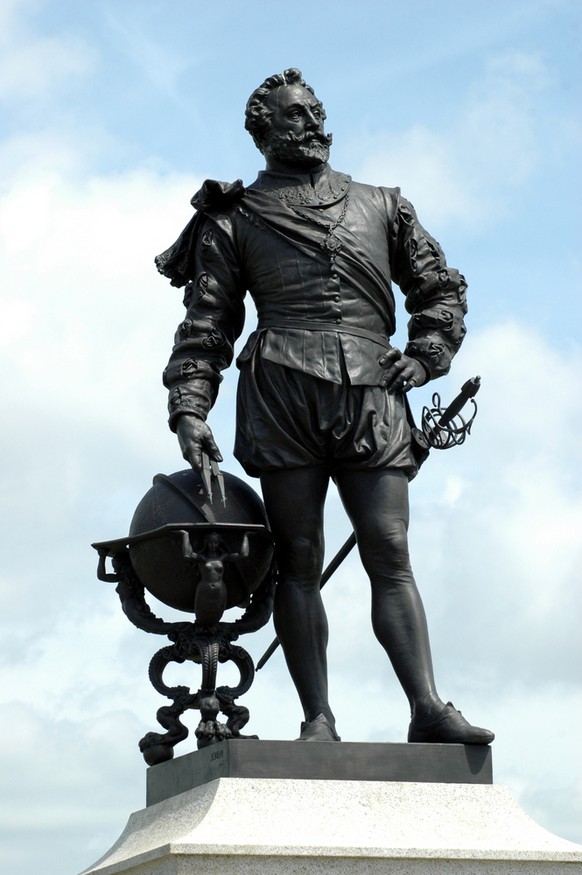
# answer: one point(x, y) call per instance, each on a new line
point(467, 170)
point(83, 369)
point(77, 336)
point(508, 546)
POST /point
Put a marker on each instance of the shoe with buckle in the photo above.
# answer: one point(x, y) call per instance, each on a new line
point(319, 729)
point(450, 727)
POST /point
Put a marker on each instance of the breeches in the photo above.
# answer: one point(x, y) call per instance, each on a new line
point(289, 419)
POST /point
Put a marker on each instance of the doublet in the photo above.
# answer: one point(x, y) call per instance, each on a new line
point(324, 299)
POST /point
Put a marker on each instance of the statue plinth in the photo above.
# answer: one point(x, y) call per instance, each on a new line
point(321, 761)
point(238, 821)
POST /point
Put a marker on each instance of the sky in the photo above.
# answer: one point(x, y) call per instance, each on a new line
point(112, 114)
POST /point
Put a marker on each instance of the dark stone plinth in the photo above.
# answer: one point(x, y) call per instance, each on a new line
point(345, 761)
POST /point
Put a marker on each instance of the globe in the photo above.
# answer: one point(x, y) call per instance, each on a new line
point(179, 501)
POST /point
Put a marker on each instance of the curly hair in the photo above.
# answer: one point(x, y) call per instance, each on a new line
point(257, 115)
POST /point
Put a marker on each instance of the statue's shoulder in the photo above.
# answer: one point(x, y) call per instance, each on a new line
point(216, 195)
point(383, 197)
point(214, 203)
point(380, 192)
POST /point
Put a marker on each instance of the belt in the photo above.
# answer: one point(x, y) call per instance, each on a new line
point(324, 326)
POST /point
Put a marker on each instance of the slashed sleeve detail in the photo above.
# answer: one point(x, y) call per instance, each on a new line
point(204, 341)
point(435, 293)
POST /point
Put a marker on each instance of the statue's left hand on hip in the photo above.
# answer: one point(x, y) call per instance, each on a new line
point(401, 373)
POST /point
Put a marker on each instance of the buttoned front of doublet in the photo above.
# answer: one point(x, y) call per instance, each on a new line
point(334, 298)
point(326, 219)
point(286, 284)
point(289, 285)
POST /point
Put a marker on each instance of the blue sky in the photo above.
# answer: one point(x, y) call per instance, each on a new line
point(112, 115)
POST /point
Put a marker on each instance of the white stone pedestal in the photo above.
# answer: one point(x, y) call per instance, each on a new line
point(246, 826)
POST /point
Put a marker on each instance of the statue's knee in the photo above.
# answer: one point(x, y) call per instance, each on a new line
point(387, 548)
point(300, 559)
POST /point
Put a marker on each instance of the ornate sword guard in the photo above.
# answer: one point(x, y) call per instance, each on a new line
point(206, 549)
point(453, 434)
point(445, 427)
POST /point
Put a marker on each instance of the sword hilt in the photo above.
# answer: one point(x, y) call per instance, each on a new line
point(439, 426)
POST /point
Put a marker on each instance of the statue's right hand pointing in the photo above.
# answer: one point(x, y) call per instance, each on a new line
point(195, 438)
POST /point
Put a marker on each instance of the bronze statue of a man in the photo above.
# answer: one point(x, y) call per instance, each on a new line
point(321, 391)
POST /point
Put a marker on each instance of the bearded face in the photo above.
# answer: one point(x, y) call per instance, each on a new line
point(296, 136)
point(298, 150)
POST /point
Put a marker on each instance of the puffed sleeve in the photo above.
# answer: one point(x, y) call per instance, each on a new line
point(435, 293)
point(204, 341)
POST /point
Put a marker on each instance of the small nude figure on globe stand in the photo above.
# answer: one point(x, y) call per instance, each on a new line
point(322, 393)
point(211, 593)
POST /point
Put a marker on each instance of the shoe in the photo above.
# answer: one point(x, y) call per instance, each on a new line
point(450, 727)
point(319, 729)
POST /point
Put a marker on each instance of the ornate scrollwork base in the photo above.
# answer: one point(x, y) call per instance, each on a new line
point(207, 650)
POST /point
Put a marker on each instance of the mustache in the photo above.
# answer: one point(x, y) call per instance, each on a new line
point(310, 136)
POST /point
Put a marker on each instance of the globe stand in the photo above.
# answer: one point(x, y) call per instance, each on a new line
point(205, 550)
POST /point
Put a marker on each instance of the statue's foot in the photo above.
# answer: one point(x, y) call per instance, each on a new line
point(319, 729)
point(450, 727)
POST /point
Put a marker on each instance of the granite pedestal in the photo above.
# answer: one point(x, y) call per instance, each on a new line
point(284, 808)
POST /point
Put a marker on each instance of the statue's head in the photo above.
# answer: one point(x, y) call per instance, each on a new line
point(213, 542)
point(286, 121)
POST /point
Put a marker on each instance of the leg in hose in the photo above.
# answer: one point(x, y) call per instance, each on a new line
point(294, 501)
point(377, 503)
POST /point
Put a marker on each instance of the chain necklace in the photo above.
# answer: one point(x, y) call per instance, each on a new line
point(331, 244)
